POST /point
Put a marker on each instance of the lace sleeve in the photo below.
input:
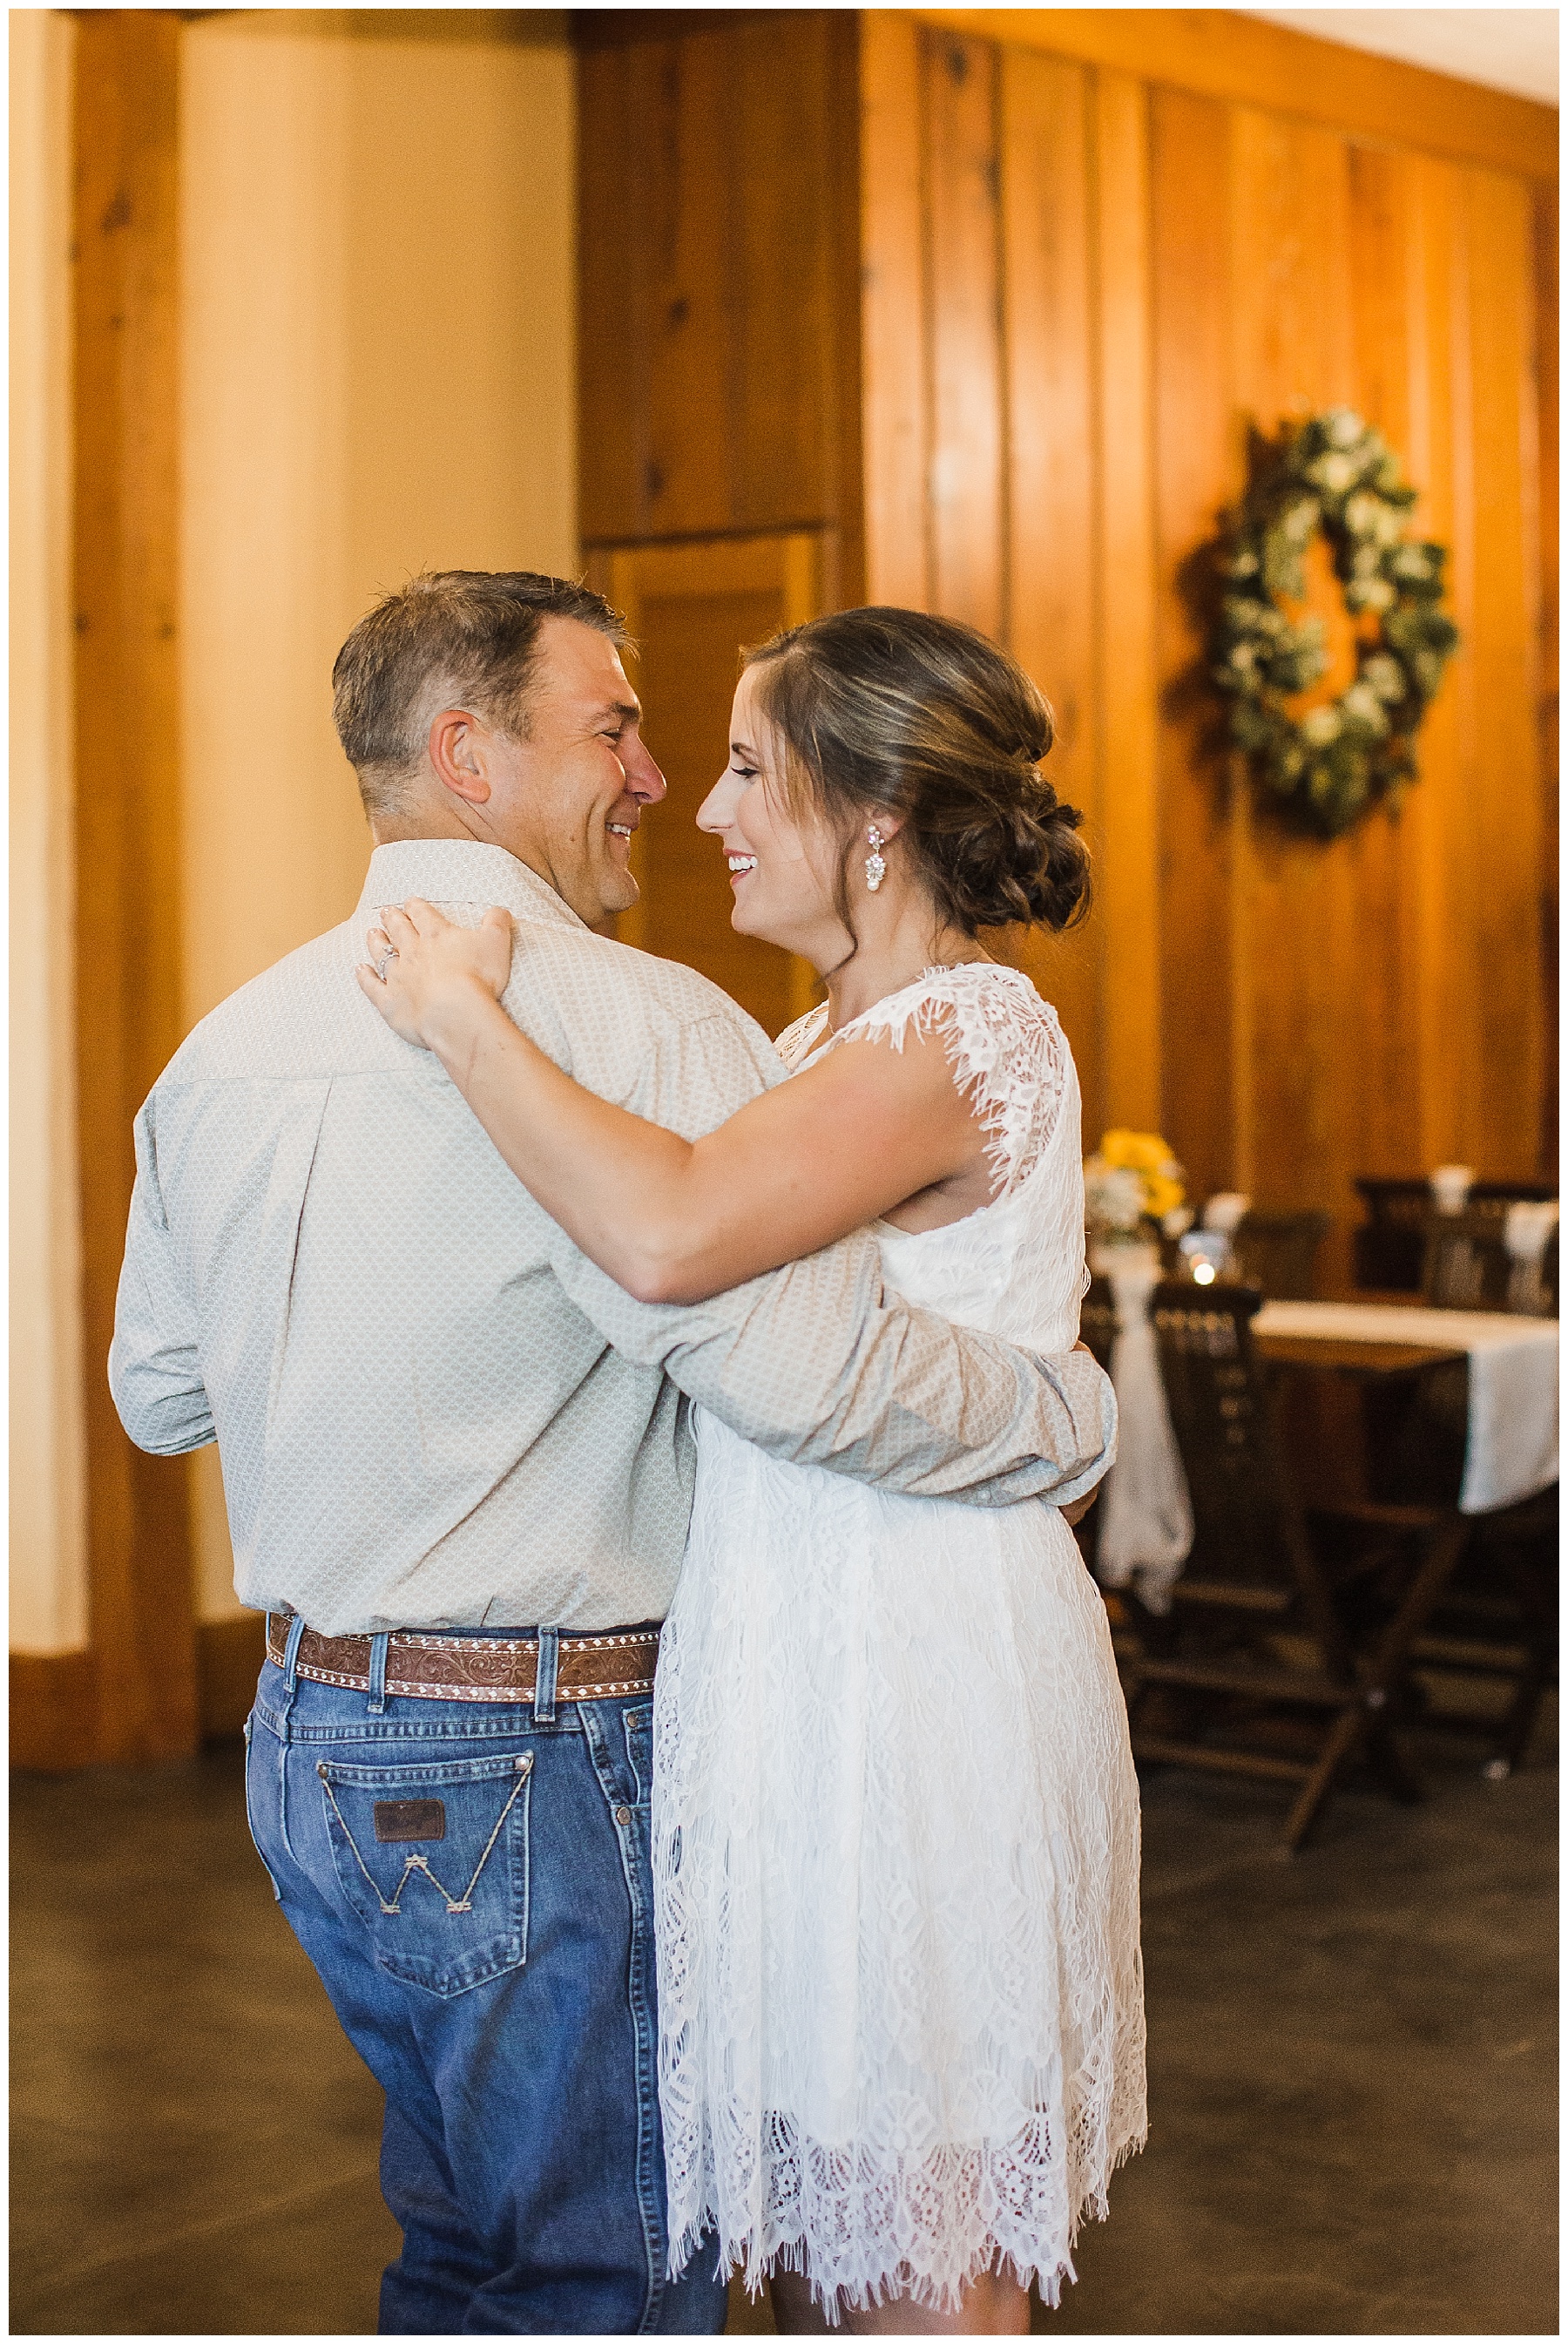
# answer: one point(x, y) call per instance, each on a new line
point(797, 1042)
point(1006, 1047)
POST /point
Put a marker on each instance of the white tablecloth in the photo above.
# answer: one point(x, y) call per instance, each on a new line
point(1145, 1513)
point(1510, 1449)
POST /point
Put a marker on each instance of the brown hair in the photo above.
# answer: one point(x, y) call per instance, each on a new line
point(896, 712)
point(463, 638)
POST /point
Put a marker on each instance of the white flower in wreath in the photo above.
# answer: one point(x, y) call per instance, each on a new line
point(1344, 427)
point(1334, 473)
point(1300, 520)
point(1321, 725)
point(1384, 676)
point(1411, 563)
point(1370, 594)
point(1362, 706)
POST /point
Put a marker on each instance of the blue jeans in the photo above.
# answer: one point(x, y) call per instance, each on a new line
point(472, 1885)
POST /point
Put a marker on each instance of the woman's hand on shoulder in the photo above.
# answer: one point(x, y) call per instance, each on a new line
point(433, 981)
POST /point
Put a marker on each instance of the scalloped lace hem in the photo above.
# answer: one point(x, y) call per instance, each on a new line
point(899, 2231)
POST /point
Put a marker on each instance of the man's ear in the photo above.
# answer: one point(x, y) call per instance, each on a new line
point(457, 755)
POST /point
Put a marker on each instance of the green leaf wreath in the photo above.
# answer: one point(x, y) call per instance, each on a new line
point(1334, 472)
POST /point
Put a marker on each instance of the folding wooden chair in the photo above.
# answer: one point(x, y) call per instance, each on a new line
point(1097, 1328)
point(1288, 1636)
point(1497, 1618)
point(1466, 1265)
point(1388, 1248)
point(1277, 1252)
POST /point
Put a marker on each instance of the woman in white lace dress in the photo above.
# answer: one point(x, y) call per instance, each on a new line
point(895, 1815)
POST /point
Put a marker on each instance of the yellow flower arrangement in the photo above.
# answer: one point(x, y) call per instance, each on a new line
point(1132, 1177)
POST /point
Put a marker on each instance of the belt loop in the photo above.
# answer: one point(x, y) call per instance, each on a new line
point(379, 1674)
point(544, 1676)
point(290, 1662)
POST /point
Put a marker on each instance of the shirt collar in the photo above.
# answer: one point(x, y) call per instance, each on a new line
point(460, 871)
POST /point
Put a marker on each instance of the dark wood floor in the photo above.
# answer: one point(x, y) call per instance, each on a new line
point(1352, 2074)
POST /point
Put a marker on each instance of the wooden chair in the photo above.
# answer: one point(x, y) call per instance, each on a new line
point(1498, 1619)
point(1097, 1327)
point(1497, 1616)
point(1277, 1253)
point(1388, 1248)
point(1466, 1265)
point(1287, 1637)
point(1097, 1321)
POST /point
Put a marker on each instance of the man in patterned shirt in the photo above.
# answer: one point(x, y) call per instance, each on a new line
point(458, 1464)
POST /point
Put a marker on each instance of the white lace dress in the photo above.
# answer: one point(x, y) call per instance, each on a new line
point(896, 1832)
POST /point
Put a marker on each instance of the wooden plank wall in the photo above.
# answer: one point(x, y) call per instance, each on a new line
point(719, 404)
point(128, 972)
point(716, 314)
point(1082, 286)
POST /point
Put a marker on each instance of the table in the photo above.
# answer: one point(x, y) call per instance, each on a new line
point(1357, 1358)
point(1483, 1437)
point(1511, 1426)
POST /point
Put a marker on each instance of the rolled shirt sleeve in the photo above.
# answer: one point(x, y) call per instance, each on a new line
point(820, 1364)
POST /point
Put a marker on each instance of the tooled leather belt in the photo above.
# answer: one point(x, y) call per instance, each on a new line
point(425, 1666)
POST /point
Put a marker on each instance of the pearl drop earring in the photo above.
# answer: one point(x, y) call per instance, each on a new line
point(876, 869)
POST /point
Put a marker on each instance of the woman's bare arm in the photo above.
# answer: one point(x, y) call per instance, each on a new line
point(674, 1220)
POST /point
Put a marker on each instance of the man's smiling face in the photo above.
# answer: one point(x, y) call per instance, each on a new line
point(565, 798)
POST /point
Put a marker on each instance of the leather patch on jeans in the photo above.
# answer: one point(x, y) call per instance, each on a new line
point(410, 1819)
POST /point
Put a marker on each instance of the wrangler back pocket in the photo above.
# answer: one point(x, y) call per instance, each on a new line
point(434, 1859)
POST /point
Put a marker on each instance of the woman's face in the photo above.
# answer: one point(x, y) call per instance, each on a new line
point(783, 866)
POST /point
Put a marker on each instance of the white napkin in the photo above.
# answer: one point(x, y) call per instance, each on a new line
point(1526, 1229)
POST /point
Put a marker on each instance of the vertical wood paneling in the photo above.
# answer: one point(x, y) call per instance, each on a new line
point(614, 345)
point(781, 285)
point(1292, 354)
point(1545, 207)
point(1503, 807)
point(717, 328)
point(1462, 1043)
point(1198, 465)
point(967, 515)
point(128, 982)
point(690, 480)
point(1436, 956)
point(895, 406)
point(1050, 512)
point(691, 609)
point(1081, 287)
point(1129, 871)
point(1386, 1103)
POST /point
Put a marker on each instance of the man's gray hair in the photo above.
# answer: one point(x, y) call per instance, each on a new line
point(449, 637)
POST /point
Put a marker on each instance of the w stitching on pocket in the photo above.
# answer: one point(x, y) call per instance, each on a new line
point(445, 1938)
point(465, 1904)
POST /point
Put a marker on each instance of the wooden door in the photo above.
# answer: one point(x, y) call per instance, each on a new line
point(692, 609)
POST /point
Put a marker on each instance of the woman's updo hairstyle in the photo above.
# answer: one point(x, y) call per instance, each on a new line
point(895, 712)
